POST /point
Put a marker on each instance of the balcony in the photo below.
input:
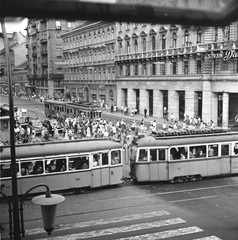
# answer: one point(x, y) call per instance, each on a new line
point(44, 63)
point(43, 40)
point(44, 52)
point(34, 54)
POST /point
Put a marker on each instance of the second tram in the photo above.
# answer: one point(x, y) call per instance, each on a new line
point(184, 157)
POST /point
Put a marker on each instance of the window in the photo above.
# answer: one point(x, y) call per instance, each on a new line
point(115, 157)
point(197, 151)
point(143, 155)
point(236, 148)
point(225, 150)
point(144, 44)
point(121, 70)
point(136, 69)
point(136, 46)
point(128, 70)
point(212, 150)
point(153, 69)
point(163, 40)
point(185, 67)
point(128, 46)
point(178, 153)
point(6, 170)
point(157, 155)
point(153, 42)
point(199, 35)
point(31, 167)
point(174, 66)
point(105, 160)
point(55, 165)
point(78, 162)
point(58, 24)
point(215, 34)
point(96, 160)
point(199, 66)
point(120, 48)
point(144, 69)
point(186, 38)
point(174, 40)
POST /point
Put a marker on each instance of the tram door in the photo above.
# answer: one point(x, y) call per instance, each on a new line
point(100, 170)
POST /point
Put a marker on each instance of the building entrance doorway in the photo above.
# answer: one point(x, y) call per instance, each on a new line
point(150, 102)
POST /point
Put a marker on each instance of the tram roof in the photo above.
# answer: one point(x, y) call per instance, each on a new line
point(150, 141)
point(59, 148)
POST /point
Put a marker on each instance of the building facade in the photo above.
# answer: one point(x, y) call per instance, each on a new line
point(17, 55)
point(189, 70)
point(89, 56)
point(44, 44)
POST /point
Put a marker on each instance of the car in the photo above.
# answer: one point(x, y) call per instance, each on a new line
point(51, 123)
point(35, 124)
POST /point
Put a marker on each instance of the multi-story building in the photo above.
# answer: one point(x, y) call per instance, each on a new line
point(17, 55)
point(189, 70)
point(90, 63)
point(44, 44)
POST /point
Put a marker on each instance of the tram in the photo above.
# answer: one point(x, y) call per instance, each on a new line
point(54, 108)
point(183, 158)
point(68, 165)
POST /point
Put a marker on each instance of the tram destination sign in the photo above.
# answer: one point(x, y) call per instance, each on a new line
point(227, 55)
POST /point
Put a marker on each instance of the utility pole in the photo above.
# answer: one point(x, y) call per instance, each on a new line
point(16, 222)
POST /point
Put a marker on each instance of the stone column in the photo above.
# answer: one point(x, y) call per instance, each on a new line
point(173, 103)
point(190, 97)
point(144, 101)
point(225, 110)
point(158, 103)
point(206, 101)
point(131, 98)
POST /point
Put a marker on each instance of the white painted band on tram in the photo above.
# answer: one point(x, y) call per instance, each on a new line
point(116, 230)
point(101, 222)
point(165, 234)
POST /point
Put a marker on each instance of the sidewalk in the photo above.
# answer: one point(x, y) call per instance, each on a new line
point(137, 117)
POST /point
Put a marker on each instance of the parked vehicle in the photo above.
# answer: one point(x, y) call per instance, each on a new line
point(35, 124)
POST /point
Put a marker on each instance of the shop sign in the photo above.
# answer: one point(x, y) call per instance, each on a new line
point(230, 53)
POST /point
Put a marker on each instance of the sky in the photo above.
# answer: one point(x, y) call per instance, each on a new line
point(18, 25)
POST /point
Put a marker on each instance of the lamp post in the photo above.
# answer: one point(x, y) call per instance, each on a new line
point(16, 222)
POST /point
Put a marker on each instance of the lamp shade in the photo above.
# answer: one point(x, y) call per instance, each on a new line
point(48, 205)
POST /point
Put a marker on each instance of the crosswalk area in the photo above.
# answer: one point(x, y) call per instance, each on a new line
point(145, 226)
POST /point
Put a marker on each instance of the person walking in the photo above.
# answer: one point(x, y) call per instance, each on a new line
point(145, 112)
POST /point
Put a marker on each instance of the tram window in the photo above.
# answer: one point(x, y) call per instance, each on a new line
point(212, 150)
point(236, 148)
point(31, 167)
point(143, 155)
point(162, 155)
point(79, 162)
point(5, 170)
point(197, 151)
point(96, 160)
point(157, 154)
point(55, 165)
point(115, 157)
point(225, 150)
point(153, 155)
point(178, 153)
point(105, 159)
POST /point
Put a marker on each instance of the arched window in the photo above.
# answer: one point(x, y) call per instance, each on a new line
point(199, 35)
point(174, 40)
point(153, 43)
point(144, 44)
point(120, 48)
point(186, 38)
point(127, 46)
point(136, 45)
point(163, 41)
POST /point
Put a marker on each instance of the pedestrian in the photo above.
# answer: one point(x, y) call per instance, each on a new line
point(36, 112)
point(145, 112)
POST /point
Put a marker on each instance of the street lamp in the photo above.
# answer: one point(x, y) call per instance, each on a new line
point(48, 203)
